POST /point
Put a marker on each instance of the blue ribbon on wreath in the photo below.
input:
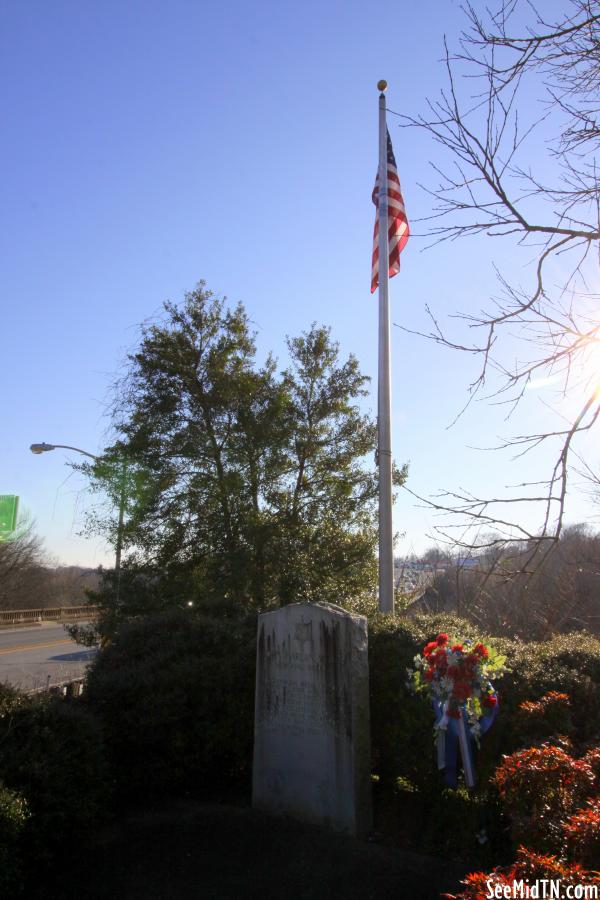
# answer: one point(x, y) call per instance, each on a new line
point(454, 736)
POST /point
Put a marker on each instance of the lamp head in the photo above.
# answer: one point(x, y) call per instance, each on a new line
point(41, 448)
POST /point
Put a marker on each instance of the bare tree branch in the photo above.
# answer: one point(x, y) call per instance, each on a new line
point(491, 185)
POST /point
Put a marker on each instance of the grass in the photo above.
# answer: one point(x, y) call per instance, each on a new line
point(192, 850)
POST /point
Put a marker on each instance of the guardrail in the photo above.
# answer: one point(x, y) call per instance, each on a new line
point(71, 687)
point(55, 614)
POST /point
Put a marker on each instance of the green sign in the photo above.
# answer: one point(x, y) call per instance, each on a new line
point(9, 507)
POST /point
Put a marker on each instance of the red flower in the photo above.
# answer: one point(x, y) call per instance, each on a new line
point(457, 648)
point(429, 648)
point(481, 650)
point(440, 659)
point(489, 700)
point(461, 691)
point(442, 639)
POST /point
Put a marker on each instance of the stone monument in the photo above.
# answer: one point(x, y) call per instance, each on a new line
point(311, 736)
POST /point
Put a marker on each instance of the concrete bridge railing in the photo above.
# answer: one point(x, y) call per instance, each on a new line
point(52, 614)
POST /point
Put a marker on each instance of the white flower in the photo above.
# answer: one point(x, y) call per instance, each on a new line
point(476, 732)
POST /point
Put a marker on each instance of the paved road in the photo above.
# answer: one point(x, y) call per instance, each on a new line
point(29, 655)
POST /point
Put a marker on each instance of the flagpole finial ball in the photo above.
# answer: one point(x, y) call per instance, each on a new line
point(382, 85)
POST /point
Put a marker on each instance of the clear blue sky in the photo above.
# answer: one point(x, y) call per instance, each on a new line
point(148, 145)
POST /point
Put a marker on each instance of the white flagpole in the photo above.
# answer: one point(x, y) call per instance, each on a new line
point(386, 537)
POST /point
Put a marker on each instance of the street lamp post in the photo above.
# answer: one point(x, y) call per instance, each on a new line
point(44, 448)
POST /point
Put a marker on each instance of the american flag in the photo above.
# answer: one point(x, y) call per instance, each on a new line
point(398, 230)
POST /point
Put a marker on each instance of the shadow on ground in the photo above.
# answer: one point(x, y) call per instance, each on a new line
point(219, 852)
point(77, 656)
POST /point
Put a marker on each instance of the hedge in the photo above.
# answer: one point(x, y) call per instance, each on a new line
point(401, 724)
point(51, 753)
point(175, 695)
point(169, 711)
point(410, 792)
point(13, 818)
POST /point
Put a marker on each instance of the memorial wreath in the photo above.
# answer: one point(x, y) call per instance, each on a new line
point(457, 676)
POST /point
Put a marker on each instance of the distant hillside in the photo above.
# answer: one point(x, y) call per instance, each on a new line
point(39, 587)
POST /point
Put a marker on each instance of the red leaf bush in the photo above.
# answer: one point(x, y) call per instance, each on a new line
point(582, 833)
point(528, 867)
point(538, 721)
point(540, 787)
point(593, 758)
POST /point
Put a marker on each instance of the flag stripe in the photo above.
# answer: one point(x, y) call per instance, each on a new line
point(398, 229)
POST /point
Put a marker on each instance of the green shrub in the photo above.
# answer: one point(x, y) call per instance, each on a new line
point(403, 753)
point(9, 697)
point(567, 663)
point(13, 817)
point(401, 724)
point(409, 788)
point(51, 753)
point(175, 693)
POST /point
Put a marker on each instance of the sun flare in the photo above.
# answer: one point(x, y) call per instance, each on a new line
point(590, 367)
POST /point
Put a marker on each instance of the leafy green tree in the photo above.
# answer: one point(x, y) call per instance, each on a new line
point(326, 505)
point(252, 484)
